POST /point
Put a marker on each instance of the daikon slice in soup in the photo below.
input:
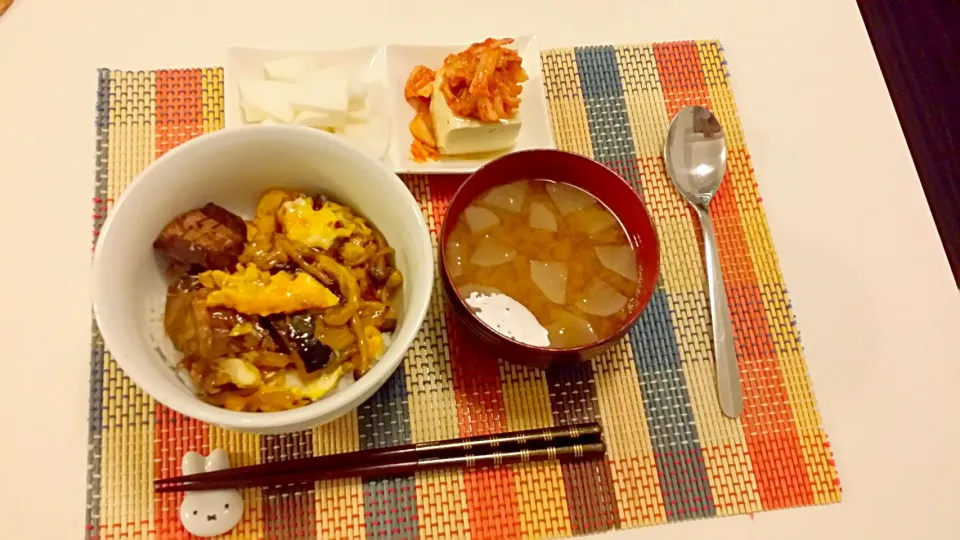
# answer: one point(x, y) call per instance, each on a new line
point(544, 263)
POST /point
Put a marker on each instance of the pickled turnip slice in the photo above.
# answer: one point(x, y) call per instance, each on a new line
point(601, 299)
point(542, 218)
point(480, 219)
point(509, 197)
point(620, 259)
point(491, 253)
point(594, 219)
point(568, 330)
point(551, 278)
point(568, 198)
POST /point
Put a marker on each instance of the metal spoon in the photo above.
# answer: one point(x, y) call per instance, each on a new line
point(696, 157)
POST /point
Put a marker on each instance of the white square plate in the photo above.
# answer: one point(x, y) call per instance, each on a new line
point(386, 69)
point(401, 59)
point(364, 62)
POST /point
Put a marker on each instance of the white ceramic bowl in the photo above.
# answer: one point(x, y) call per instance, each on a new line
point(232, 168)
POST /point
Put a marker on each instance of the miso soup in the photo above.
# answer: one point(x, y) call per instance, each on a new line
point(543, 263)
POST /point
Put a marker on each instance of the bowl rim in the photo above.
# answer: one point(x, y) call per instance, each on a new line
point(519, 345)
point(325, 409)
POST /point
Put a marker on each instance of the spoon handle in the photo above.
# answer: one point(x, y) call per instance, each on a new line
point(728, 374)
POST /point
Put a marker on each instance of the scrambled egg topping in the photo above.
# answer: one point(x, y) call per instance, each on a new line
point(246, 375)
point(255, 292)
point(319, 387)
point(352, 252)
point(318, 228)
point(241, 329)
point(374, 342)
point(267, 208)
point(240, 373)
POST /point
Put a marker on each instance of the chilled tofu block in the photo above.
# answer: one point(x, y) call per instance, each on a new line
point(271, 97)
point(324, 92)
point(291, 69)
point(456, 135)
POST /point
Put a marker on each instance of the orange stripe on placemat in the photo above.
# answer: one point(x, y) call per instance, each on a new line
point(767, 420)
point(782, 478)
point(491, 496)
point(734, 250)
point(179, 109)
point(432, 403)
point(681, 76)
point(442, 189)
point(768, 423)
point(178, 118)
point(174, 436)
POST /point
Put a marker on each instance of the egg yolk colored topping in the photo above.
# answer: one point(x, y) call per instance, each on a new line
point(238, 372)
point(255, 292)
point(323, 384)
point(374, 342)
point(318, 228)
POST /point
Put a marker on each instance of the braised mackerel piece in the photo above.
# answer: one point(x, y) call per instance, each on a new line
point(211, 237)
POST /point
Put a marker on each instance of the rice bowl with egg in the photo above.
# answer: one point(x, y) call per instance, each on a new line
point(273, 313)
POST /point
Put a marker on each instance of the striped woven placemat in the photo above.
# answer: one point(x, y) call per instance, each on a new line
point(672, 455)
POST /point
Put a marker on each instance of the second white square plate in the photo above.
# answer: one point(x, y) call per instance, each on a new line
point(401, 59)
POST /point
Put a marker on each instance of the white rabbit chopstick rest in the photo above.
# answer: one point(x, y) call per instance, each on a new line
point(209, 513)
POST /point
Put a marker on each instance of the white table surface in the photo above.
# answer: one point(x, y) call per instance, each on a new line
point(877, 307)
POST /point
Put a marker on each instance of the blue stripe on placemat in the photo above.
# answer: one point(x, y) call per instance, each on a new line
point(673, 430)
point(390, 504)
point(95, 412)
point(606, 111)
point(672, 426)
point(101, 184)
point(288, 512)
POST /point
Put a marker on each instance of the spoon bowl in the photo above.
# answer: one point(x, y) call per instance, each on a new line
point(696, 157)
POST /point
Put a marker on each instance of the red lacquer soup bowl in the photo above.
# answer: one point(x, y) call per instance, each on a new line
point(584, 173)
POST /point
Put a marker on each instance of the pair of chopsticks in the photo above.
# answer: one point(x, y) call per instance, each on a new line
point(568, 443)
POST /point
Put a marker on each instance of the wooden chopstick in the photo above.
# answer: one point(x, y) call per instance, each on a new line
point(476, 445)
point(568, 452)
